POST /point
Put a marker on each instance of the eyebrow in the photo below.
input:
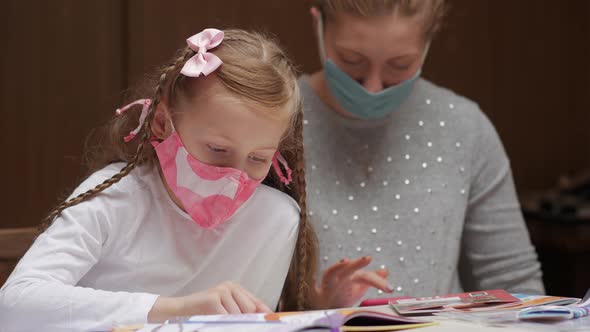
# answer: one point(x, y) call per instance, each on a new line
point(350, 50)
point(269, 148)
point(401, 57)
point(230, 142)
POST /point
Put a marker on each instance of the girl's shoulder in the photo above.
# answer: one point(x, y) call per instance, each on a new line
point(127, 185)
point(271, 204)
point(276, 197)
point(117, 206)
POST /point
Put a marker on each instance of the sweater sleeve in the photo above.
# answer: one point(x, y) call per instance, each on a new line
point(42, 291)
point(496, 249)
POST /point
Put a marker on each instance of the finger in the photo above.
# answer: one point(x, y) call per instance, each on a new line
point(330, 275)
point(372, 279)
point(336, 268)
point(384, 273)
point(261, 307)
point(228, 302)
point(354, 266)
point(243, 300)
point(218, 309)
point(361, 288)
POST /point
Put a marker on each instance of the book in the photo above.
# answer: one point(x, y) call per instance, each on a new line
point(557, 310)
point(481, 300)
point(348, 320)
point(525, 301)
point(534, 313)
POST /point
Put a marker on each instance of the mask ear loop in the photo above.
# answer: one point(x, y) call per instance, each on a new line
point(144, 113)
point(275, 164)
point(320, 32)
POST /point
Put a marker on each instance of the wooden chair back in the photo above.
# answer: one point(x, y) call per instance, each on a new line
point(14, 242)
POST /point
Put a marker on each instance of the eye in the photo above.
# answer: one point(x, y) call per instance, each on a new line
point(351, 58)
point(400, 65)
point(258, 160)
point(215, 149)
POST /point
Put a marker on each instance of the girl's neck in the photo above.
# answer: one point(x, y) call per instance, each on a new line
point(168, 190)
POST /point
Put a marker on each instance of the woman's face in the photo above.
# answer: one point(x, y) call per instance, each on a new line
point(378, 51)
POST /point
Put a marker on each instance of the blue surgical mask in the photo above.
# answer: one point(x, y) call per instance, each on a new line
point(353, 97)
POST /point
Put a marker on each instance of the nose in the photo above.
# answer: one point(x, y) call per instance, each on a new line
point(231, 162)
point(239, 164)
point(373, 82)
point(242, 165)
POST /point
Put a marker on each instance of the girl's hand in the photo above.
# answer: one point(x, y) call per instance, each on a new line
point(226, 298)
point(344, 283)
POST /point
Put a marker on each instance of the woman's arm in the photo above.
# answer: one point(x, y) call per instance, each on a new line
point(496, 249)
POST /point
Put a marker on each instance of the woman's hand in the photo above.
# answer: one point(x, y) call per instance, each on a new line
point(226, 298)
point(344, 283)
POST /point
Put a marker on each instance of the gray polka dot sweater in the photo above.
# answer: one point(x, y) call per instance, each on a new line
point(426, 191)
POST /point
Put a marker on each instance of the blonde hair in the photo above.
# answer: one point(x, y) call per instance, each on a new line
point(257, 70)
point(433, 10)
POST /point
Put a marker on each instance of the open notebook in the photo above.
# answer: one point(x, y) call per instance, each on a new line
point(329, 320)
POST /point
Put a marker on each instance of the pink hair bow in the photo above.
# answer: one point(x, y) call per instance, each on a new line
point(144, 112)
point(203, 62)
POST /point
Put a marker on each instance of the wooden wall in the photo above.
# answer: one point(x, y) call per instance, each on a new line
point(65, 63)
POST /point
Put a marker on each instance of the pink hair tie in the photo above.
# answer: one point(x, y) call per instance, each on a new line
point(144, 112)
point(203, 62)
point(275, 164)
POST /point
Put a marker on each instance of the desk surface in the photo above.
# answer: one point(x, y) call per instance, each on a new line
point(454, 326)
point(574, 325)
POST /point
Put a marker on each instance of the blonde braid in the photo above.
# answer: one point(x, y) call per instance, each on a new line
point(137, 158)
point(307, 242)
point(299, 287)
point(101, 187)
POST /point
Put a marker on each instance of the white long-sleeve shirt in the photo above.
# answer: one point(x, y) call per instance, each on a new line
point(104, 262)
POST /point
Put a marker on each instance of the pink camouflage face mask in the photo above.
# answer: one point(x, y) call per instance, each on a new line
point(209, 194)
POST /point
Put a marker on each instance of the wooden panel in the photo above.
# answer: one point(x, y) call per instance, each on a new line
point(526, 64)
point(61, 76)
point(14, 242)
point(64, 64)
point(6, 268)
point(157, 29)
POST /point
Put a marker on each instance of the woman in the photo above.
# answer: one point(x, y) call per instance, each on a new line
point(401, 169)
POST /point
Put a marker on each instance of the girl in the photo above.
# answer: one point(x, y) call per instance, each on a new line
point(176, 207)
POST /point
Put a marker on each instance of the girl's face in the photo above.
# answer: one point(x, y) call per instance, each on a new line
point(220, 129)
point(378, 51)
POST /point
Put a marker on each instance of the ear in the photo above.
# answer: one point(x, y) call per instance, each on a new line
point(315, 13)
point(162, 122)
